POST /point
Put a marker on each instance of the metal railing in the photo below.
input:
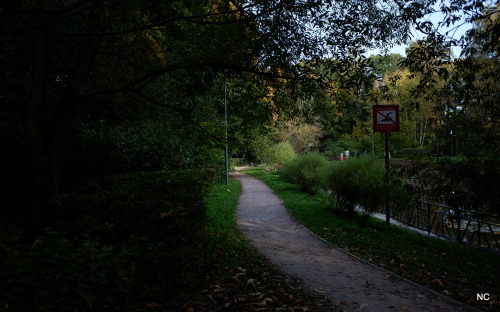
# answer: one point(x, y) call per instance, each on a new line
point(465, 227)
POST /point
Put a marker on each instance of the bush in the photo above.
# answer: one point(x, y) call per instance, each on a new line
point(359, 183)
point(99, 149)
point(342, 179)
point(237, 162)
point(59, 275)
point(145, 204)
point(372, 188)
point(278, 155)
point(306, 171)
point(120, 243)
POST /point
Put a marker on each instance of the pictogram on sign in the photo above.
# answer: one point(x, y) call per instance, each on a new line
point(385, 118)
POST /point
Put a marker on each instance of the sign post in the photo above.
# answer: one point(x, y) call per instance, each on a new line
point(386, 119)
point(226, 151)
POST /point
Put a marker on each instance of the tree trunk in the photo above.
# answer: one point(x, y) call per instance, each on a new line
point(47, 138)
point(424, 132)
point(40, 187)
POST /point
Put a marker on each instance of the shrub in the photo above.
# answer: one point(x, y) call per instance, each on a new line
point(305, 170)
point(100, 149)
point(59, 275)
point(120, 243)
point(342, 179)
point(372, 187)
point(153, 205)
point(359, 183)
point(278, 155)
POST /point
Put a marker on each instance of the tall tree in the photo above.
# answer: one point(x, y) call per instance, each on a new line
point(463, 88)
point(83, 51)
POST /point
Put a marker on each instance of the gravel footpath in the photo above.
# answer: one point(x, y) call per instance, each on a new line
point(351, 284)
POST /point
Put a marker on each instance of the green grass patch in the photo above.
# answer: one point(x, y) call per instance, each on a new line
point(457, 271)
point(221, 207)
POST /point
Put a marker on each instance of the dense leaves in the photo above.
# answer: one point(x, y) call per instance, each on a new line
point(113, 244)
point(306, 170)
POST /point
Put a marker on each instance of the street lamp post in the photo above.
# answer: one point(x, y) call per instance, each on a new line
point(227, 151)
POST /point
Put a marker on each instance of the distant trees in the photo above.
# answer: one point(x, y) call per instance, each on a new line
point(461, 88)
point(304, 137)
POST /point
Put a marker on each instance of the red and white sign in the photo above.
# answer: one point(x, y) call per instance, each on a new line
point(385, 118)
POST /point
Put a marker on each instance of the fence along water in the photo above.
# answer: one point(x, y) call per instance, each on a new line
point(465, 227)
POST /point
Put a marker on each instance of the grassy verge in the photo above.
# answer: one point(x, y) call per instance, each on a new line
point(241, 279)
point(446, 267)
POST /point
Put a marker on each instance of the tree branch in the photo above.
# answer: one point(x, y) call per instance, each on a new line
point(412, 17)
point(48, 21)
point(196, 19)
point(38, 9)
point(151, 76)
point(181, 113)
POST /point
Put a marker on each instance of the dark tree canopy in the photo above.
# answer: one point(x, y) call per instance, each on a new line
point(67, 61)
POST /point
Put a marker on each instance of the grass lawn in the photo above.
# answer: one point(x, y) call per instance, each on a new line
point(456, 271)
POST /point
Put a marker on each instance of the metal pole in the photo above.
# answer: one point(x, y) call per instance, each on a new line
point(387, 197)
point(373, 144)
point(227, 152)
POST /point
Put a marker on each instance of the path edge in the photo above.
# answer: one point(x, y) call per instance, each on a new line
point(464, 305)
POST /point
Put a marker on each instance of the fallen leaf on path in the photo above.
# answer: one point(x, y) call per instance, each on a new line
point(404, 308)
point(345, 303)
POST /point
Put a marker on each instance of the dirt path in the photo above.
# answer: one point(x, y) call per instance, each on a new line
point(351, 284)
